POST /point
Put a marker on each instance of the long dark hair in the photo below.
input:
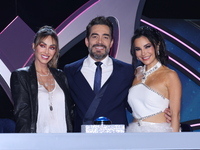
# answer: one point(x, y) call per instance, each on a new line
point(156, 39)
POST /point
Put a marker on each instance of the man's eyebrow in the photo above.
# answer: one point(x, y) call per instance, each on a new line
point(94, 34)
point(106, 34)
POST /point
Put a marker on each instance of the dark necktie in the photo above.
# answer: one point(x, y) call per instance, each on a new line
point(97, 77)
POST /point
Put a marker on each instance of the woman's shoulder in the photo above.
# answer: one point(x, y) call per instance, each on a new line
point(26, 69)
point(56, 69)
point(169, 72)
point(172, 80)
point(21, 73)
point(138, 74)
point(23, 70)
point(57, 72)
point(170, 75)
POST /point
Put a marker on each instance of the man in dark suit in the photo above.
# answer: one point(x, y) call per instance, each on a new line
point(117, 77)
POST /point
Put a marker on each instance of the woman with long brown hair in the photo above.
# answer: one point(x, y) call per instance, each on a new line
point(42, 102)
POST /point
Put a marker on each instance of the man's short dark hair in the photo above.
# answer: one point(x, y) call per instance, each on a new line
point(100, 20)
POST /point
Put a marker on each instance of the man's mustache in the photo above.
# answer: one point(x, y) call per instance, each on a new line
point(99, 45)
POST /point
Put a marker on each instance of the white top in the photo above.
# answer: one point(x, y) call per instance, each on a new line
point(51, 121)
point(88, 70)
point(146, 102)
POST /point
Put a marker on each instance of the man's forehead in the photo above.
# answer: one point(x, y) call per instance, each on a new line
point(100, 29)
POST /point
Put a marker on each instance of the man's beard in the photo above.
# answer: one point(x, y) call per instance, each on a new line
point(98, 56)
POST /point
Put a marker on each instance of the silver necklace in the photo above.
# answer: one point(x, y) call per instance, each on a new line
point(43, 75)
point(50, 101)
point(50, 83)
point(150, 71)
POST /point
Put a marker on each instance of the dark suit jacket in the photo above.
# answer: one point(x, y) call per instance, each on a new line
point(24, 88)
point(114, 102)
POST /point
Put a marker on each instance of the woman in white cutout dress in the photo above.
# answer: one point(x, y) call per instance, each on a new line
point(155, 87)
point(42, 102)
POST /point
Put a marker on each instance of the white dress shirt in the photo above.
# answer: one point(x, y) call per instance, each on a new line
point(88, 70)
